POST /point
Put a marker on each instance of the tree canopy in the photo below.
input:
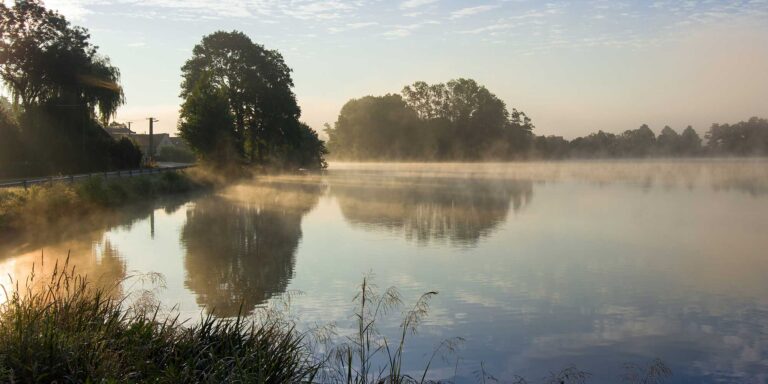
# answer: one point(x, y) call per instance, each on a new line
point(460, 120)
point(44, 59)
point(253, 113)
point(746, 138)
point(61, 89)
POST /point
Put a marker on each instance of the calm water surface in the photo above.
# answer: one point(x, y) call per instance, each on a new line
point(539, 266)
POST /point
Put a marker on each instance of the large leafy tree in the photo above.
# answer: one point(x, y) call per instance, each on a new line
point(377, 127)
point(46, 60)
point(61, 87)
point(257, 85)
point(477, 121)
point(460, 119)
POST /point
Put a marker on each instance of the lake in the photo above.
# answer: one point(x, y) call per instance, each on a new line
point(539, 266)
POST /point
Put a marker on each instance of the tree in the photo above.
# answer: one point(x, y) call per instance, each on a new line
point(44, 59)
point(595, 145)
point(551, 147)
point(375, 127)
point(637, 142)
point(257, 85)
point(459, 119)
point(690, 142)
point(309, 151)
point(207, 124)
point(745, 138)
point(668, 142)
point(10, 142)
point(59, 85)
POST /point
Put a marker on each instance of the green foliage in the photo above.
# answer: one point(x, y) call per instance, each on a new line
point(690, 142)
point(377, 127)
point(745, 138)
point(176, 155)
point(125, 154)
point(636, 143)
point(456, 120)
point(308, 151)
point(253, 112)
point(44, 204)
point(59, 84)
point(10, 141)
point(208, 126)
point(43, 58)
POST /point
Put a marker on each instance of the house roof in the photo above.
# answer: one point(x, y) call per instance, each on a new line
point(143, 140)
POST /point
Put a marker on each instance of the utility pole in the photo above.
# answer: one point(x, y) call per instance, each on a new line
point(151, 154)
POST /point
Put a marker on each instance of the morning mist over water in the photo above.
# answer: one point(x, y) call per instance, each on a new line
point(591, 264)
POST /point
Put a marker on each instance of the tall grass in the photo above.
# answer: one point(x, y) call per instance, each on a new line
point(354, 361)
point(68, 331)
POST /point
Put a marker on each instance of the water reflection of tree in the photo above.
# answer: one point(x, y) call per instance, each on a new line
point(240, 247)
point(457, 210)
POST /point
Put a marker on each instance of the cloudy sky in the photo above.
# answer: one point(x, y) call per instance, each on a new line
point(573, 66)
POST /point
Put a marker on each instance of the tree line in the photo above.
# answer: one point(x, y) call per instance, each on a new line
point(238, 106)
point(462, 120)
point(745, 138)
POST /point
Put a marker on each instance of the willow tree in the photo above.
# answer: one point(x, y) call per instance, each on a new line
point(61, 86)
point(43, 59)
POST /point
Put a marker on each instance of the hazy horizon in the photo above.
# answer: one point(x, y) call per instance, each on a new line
point(573, 67)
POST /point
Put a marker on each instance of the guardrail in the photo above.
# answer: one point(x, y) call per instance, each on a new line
point(26, 183)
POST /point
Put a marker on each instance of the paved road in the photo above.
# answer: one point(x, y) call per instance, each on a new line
point(25, 182)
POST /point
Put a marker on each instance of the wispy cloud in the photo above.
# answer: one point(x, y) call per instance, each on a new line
point(410, 4)
point(352, 26)
point(407, 30)
point(469, 11)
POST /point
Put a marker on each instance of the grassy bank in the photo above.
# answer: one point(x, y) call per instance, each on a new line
point(46, 204)
point(68, 331)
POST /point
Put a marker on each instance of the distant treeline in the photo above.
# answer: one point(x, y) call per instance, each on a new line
point(462, 120)
point(62, 91)
point(746, 138)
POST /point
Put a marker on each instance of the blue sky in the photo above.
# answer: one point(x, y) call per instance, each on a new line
point(573, 66)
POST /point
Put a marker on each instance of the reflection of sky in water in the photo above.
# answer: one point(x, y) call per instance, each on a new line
point(538, 271)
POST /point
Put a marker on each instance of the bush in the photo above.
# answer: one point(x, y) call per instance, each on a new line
point(176, 155)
